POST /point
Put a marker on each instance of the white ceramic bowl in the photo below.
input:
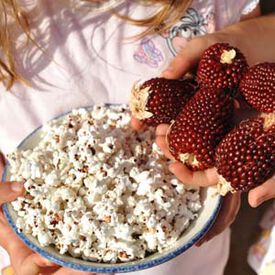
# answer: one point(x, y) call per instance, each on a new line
point(211, 203)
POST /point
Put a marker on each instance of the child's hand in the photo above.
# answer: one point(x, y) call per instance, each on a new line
point(190, 55)
point(256, 196)
point(186, 60)
point(231, 203)
point(23, 260)
point(262, 193)
point(26, 262)
point(241, 35)
point(198, 178)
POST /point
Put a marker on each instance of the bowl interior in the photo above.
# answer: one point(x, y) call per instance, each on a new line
point(211, 202)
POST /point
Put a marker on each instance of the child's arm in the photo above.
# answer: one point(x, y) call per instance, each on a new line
point(254, 37)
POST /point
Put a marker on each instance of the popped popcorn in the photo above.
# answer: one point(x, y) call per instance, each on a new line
point(100, 191)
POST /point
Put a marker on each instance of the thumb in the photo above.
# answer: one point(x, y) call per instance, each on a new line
point(186, 59)
point(190, 55)
point(9, 191)
point(262, 193)
point(33, 263)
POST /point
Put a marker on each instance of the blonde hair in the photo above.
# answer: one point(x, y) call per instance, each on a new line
point(10, 11)
point(11, 15)
point(169, 13)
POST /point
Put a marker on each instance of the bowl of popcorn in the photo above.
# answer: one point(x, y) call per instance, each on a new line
point(99, 196)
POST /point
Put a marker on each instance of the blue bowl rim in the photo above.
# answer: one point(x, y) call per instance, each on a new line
point(129, 267)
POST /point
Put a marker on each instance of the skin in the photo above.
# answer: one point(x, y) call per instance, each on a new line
point(231, 203)
point(25, 262)
point(244, 35)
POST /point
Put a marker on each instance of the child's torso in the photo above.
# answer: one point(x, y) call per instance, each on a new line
point(87, 59)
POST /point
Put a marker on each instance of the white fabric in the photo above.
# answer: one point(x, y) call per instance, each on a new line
point(4, 259)
point(87, 60)
point(261, 255)
point(208, 259)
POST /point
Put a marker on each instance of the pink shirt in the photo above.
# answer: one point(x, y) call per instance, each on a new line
point(87, 60)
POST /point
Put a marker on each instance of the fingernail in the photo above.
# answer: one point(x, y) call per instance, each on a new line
point(17, 187)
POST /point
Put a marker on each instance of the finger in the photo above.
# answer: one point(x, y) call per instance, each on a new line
point(27, 266)
point(199, 178)
point(262, 193)
point(9, 191)
point(162, 129)
point(227, 214)
point(136, 124)
point(187, 58)
point(162, 144)
point(33, 264)
point(40, 261)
